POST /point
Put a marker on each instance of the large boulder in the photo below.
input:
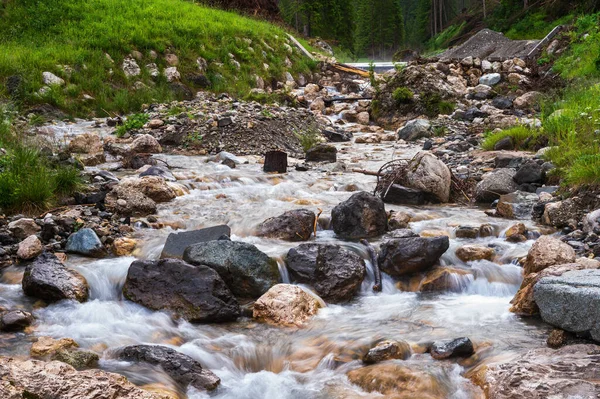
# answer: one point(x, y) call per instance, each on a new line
point(285, 305)
point(48, 279)
point(154, 187)
point(547, 251)
point(180, 367)
point(145, 144)
point(333, 271)
point(296, 225)
point(415, 129)
point(569, 372)
point(523, 302)
point(530, 172)
point(21, 379)
point(428, 174)
point(397, 381)
point(177, 242)
point(246, 270)
point(361, 216)
point(571, 301)
point(87, 143)
point(195, 293)
point(495, 184)
point(561, 213)
point(85, 242)
point(399, 257)
point(127, 201)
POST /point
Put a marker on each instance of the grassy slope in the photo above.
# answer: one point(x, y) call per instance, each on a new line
point(39, 35)
point(571, 121)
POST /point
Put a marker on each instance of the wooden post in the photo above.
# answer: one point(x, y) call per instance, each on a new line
point(275, 161)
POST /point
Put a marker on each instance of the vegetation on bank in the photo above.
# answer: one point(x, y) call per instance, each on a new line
point(85, 43)
point(570, 118)
point(30, 181)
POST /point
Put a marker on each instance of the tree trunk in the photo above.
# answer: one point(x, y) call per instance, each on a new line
point(275, 161)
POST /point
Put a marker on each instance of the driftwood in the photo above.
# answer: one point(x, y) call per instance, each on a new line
point(373, 255)
point(366, 172)
point(350, 69)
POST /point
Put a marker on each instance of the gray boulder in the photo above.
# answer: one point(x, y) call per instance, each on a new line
point(15, 320)
point(195, 293)
point(334, 272)
point(177, 242)
point(428, 174)
point(180, 367)
point(360, 216)
point(322, 153)
point(495, 184)
point(571, 301)
point(85, 242)
point(246, 270)
point(530, 172)
point(415, 129)
point(459, 347)
point(399, 257)
point(296, 225)
point(48, 279)
point(160, 171)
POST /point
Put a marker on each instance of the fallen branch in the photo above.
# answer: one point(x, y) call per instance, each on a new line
point(366, 172)
point(373, 255)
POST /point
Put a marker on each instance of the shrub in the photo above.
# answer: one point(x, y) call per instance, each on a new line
point(309, 137)
point(135, 121)
point(433, 104)
point(402, 95)
point(521, 136)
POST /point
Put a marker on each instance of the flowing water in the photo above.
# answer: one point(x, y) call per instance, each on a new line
point(255, 360)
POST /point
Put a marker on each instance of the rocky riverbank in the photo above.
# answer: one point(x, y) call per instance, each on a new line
point(397, 284)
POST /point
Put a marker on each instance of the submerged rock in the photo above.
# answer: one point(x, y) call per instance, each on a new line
point(195, 293)
point(333, 271)
point(404, 256)
point(15, 320)
point(285, 305)
point(388, 350)
point(296, 225)
point(85, 242)
point(57, 380)
point(48, 279)
point(246, 270)
point(459, 347)
point(361, 216)
point(180, 367)
point(517, 205)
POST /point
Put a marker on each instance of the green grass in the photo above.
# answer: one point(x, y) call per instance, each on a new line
point(583, 58)
point(535, 26)
point(521, 135)
point(29, 182)
point(402, 95)
point(37, 36)
point(135, 121)
point(444, 39)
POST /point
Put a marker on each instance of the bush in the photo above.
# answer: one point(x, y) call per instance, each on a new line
point(433, 105)
point(135, 121)
point(402, 95)
point(309, 137)
point(521, 137)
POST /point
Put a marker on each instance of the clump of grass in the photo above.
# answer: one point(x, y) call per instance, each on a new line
point(433, 104)
point(585, 169)
point(582, 58)
point(135, 121)
point(521, 137)
point(402, 95)
point(309, 137)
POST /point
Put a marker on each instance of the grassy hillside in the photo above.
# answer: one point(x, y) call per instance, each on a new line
point(46, 35)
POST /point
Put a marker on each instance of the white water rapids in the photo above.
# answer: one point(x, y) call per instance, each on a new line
point(255, 360)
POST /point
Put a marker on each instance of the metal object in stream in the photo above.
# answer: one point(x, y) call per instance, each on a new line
point(373, 255)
